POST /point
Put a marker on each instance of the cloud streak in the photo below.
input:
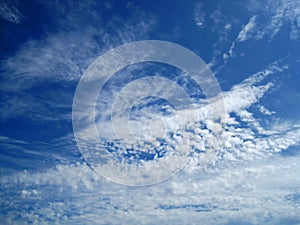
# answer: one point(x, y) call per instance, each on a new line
point(10, 12)
point(279, 13)
point(267, 21)
point(246, 31)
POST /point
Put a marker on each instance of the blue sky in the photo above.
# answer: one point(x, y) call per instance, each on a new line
point(251, 47)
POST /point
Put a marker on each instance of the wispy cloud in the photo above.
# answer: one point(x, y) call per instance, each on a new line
point(10, 12)
point(61, 57)
point(199, 16)
point(222, 26)
point(269, 18)
point(274, 15)
point(245, 33)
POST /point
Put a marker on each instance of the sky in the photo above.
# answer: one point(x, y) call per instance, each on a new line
point(246, 173)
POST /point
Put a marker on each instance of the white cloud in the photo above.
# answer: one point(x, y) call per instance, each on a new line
point(257, 192)
point(237, 100)
point(235, 142)
point(248, 182)
point(245, 33)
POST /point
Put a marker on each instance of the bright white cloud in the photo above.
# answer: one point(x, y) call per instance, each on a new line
point(257, 192)
point(248, 181)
